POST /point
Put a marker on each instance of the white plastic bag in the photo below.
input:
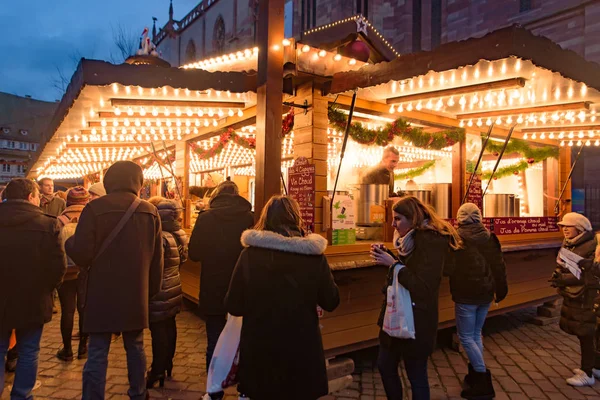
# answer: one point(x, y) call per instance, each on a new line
point(398, 321)
point(225, 358)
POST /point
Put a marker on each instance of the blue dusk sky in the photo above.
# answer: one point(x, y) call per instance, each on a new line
point(41, 36)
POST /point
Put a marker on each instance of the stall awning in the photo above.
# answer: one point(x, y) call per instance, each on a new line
point(111, 112)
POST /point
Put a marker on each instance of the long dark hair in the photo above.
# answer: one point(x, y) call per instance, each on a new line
point(281, 214)
point(423, 216)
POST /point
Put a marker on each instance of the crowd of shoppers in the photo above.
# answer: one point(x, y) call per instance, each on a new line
point(273, 274)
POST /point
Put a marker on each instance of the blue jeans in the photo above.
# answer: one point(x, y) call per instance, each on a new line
point(94, 371)
point(469, 323)
point(416, 370)
point(28, 347)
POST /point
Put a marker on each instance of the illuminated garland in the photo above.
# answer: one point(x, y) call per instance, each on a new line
point(230, 135)
point(536, 154)
point(509, 170)
point(413, 173)
point(399, 128)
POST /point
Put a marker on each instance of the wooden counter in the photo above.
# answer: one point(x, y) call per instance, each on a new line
point(530, 262)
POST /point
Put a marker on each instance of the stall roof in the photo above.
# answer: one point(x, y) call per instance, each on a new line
point(511, 41)
point(111, 111)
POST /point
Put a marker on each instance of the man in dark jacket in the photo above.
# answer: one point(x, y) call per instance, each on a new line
point(49, 202)
point(215, 242)
point(33, 264)
point(121, 279)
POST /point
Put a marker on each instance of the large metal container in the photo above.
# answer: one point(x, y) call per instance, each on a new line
point(441, 199)
point(367, 196)
point(422, 194)
point(499, 205)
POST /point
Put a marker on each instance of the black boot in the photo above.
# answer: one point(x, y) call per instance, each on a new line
point(11, 360)
point(82, 350)
point(468, 381)
point(153, 377)
point(481, 387)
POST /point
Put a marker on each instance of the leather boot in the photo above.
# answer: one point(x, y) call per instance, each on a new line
point(82, 350)
point(481, 388)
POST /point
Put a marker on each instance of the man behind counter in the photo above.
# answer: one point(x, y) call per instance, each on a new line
point(383, 173)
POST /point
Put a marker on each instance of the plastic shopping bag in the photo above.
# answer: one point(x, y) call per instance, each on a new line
point(222, 372)
point(398, 321)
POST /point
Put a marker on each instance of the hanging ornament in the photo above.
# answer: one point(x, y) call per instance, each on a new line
point(496, 154)
point(530, 161)
point(516, 173)
point(358, 50)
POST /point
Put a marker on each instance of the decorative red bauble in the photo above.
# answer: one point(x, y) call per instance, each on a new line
point(530, 161)
point(358, 50)
point(495, 178)
point(496, 154)
point(516, 173)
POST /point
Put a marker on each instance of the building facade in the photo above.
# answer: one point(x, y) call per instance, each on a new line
point(22, 123)
point(216, 27)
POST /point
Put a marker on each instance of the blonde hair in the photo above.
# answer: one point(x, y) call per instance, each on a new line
point(422, 216)
point(281, 214)
point(224, 187)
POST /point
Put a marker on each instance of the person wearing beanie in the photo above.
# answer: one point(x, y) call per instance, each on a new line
point(70, 292)
point(119, 240)
point(577, 315)
point(477, 277)
point(167, 303)
point(97, 190)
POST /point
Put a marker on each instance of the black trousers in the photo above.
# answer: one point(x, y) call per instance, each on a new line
point(164, 342)
point(214, 326)
point(590, 352)
point(71, 299)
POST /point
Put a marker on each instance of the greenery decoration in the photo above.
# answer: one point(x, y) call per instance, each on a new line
point(537, 154)
point(399, 128)
point(503, 172)
point(414, 172)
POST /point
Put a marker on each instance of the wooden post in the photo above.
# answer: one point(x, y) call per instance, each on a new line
point(564, 166)
point(182, 171)
point(459, 167)
point(310, 141)
point(269, 108)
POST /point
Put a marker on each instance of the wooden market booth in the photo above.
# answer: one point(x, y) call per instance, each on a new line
point(198, 123)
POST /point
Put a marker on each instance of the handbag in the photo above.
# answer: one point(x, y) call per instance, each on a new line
point(398, 320)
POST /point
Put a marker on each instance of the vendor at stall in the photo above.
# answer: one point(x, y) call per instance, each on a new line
point(383, 173)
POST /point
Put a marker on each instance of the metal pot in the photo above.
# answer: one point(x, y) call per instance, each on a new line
point(499, 205)
point(367, 196)
point(441, 199)
point(422, 194)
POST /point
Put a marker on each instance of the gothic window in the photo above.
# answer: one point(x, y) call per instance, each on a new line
point(190, 52)
point(219, 35)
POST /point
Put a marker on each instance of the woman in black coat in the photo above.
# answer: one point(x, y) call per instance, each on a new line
point(165, 305)
point(215, 242)
point(281, 277)
point(577, 315)
point(423, 241)
point(477, 277)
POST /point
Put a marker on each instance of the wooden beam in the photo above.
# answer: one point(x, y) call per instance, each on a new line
point(176, 103)
point(562, 128)
point(479, 87)
point(93, 145)
point(579, 105)
point(235, 122)
point(269, 106)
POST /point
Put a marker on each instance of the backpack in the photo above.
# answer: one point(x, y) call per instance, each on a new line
point(68, 230)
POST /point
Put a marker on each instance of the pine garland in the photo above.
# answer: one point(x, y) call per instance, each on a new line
point(413, 173)
point(509, 170)
point(399, 128)
point(536, 154)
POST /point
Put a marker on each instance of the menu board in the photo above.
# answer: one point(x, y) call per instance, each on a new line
point(518, 225)
point(475, 194)
point(301, 187)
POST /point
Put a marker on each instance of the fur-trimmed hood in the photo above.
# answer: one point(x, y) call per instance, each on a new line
point(312, 244)
point(597, 254)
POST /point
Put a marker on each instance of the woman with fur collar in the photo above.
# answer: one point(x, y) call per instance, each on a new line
point(280, 278)
point(423, 241)
point(577, 316)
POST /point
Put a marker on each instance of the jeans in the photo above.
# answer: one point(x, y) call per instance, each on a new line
point(214, 326)
point(469, 323)
point(28, 346)
point(416, 370)
point(94, 371)
point(164, 341)
point(68, 294)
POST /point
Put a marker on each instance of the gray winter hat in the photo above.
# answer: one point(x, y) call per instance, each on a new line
point(468, 213)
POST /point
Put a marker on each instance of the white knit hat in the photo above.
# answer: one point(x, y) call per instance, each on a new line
point(576, 220)
point(97, 189)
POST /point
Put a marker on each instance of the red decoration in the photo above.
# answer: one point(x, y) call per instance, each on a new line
point(516, 173)
point(530, 161)
point(496, 154)
point(358, 50)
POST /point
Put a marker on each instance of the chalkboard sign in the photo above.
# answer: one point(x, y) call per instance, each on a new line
point(475, 194)
point(518, 225)
point(301, 187)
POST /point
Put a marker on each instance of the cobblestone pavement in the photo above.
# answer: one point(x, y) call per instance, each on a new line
point(527, 361)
